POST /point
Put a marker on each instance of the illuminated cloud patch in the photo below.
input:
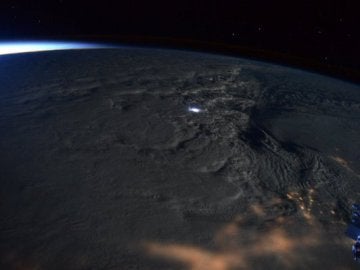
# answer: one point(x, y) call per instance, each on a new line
point(37, 46)
point(194, 109)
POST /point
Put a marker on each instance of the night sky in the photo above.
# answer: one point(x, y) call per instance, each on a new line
point(322, 35)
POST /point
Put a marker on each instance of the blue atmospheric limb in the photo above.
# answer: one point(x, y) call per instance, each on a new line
point(37, 46)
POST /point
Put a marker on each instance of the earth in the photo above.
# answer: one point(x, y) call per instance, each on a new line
point(135, 158)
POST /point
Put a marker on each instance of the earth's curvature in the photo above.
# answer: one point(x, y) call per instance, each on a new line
point(103, 164)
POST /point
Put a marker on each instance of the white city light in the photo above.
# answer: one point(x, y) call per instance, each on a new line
point(37, 46)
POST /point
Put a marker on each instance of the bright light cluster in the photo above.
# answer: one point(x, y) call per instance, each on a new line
point(37, 46)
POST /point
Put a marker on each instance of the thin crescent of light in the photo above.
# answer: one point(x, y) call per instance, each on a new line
point(37, 46)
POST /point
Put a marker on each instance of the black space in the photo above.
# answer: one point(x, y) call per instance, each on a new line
point(322, 35)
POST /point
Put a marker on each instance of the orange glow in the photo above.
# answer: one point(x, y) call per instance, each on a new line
point(195, 258)
point(258, 210)
point(341, 161)
point(238, 245)
point(276, 243)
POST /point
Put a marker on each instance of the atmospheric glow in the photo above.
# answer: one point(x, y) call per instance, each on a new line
point(37, 46)
point(194, 109)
